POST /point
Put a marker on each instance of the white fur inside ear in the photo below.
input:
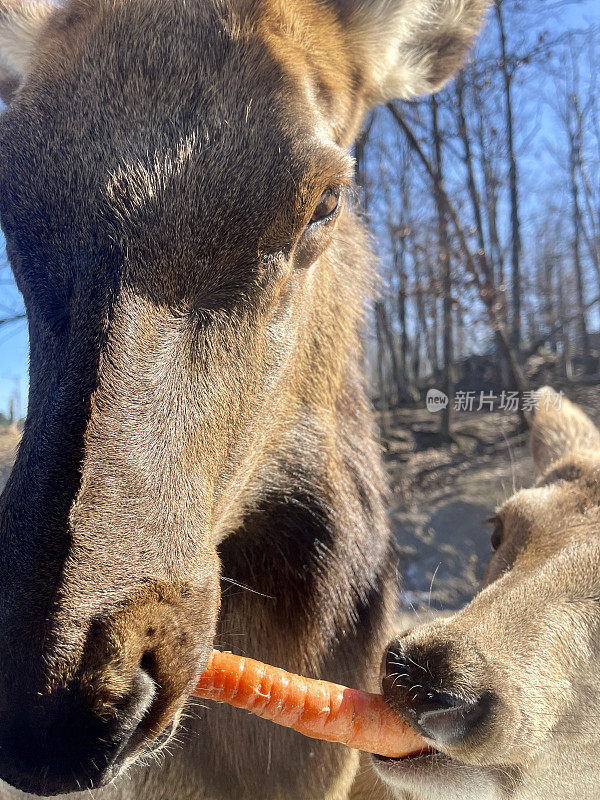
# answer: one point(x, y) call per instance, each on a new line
point(412, 47)
point(21, 23)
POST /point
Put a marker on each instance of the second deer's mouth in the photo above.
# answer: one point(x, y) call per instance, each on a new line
point(420, 764)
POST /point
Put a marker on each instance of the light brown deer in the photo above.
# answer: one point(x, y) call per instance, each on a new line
point(508, 689)
point(175, 193)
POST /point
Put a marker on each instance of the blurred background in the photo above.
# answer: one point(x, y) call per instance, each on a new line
point(484, 203)
point(484, 206)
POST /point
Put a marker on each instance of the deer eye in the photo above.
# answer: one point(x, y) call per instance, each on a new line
point(496, 537)
point(327, 207)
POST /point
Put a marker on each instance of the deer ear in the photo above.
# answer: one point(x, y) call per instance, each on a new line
point(560, 428)
point(408, 48)
point(21, 22)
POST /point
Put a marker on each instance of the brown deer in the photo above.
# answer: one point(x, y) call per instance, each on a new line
point(175, 191)
point(508, 690)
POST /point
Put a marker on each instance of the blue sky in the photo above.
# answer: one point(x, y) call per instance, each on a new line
point(14, 342)
point(551, 15)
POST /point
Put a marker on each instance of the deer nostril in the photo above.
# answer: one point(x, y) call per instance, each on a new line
point(421, 695)
point(453, 720)
point(148, 662)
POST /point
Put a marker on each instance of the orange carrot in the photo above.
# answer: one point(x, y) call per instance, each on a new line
point(318, 709)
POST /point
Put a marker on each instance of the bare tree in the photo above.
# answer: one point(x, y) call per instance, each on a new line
point(488, 253)
point(477, 267)
point(446, 272)
point(513, 181)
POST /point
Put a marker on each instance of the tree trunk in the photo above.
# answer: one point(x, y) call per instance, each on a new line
point(410, 393)
point(388, 338)
point(433, 329)
point(468, 161)
point(567, 364)
point(513, 186)
point(574, 156)
point(461, 339)
point(416, 357)
point(490, 185)
point(497, 297)
point(403, 329)
point(446, 272)
point(423, 326)
point(381, 382)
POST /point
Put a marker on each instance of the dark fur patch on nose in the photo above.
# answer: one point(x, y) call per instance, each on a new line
point(63, 747)
point(423, 688)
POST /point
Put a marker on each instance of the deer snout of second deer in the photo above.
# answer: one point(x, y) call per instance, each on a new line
point(507, 690)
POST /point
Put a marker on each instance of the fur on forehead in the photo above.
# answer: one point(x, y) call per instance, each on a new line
point(401, 48)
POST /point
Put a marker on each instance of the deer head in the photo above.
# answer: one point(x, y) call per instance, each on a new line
point(174, 191)
point(507, 690)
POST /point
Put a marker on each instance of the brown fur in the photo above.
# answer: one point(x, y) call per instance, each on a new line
point(197, 406)
point(530, 640)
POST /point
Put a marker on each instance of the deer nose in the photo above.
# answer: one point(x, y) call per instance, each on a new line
point(62, 745)
point(107, 697)
point(415, 685)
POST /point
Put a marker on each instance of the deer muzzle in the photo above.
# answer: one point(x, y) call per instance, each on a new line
point(95, 697)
